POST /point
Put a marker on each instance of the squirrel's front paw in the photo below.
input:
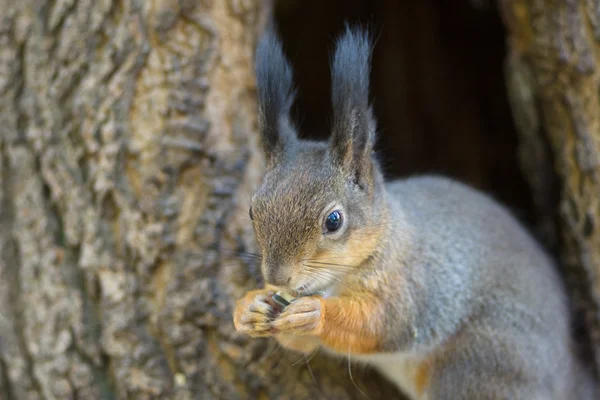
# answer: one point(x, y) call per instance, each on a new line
point(253, 313)
point(301, 317)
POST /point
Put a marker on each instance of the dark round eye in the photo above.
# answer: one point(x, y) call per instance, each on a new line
point(250, 213)
point(333, 221)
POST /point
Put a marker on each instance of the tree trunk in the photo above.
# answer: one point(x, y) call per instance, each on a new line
point(128, 155)
point(553, 76)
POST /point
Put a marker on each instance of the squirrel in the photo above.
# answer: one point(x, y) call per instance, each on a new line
point(426, 279)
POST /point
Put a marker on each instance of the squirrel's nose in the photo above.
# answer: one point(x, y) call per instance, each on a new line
point(277, 278)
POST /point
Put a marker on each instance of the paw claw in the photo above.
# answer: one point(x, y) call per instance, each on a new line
point(253, 314)
point(302, 317)
point(260, 307)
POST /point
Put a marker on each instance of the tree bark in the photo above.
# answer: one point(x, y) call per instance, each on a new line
point(553, 76)
point(128, 155)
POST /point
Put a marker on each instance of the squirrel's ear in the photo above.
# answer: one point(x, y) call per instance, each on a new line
point(353, 135)
point(275, 95)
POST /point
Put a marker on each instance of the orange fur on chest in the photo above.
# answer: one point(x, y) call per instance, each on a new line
point(351, 326)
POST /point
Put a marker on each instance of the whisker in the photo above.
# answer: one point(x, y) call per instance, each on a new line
point(311, 372)
point(320, 264)
point(332, 258)
point(350, 372)
point(326, 273)
point(305, 359)
point(323, 272)
point(333, 264)
point(238, 265)
point(315, 288)
point(325, 279)
point(248, 254)
point(329, 266)
point(230, 262)
point(320, 279)
point(281, 358)
point(221, 250)
point(277, 346)
point(313, 354)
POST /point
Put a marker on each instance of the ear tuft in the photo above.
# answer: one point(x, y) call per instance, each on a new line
point(276, 94)
point(353, 133)
point(350, 71)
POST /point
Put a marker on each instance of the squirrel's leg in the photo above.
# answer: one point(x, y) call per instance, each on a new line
point(344, 324)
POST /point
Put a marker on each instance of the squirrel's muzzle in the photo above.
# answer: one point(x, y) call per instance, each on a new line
point(277, 276)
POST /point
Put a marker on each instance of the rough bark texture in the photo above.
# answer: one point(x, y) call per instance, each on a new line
point(553, 73)
point(127, 160)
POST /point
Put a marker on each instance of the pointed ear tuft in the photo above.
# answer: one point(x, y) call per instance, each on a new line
point(275, 95)
point(353, 128)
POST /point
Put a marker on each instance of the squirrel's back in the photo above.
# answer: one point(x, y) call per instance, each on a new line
point(480, 270)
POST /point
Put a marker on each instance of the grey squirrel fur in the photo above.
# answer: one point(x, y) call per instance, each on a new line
point(430, 281)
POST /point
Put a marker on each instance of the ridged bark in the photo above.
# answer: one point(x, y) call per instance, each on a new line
point(128, 155)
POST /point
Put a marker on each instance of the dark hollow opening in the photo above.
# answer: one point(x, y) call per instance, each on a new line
point(437, 85)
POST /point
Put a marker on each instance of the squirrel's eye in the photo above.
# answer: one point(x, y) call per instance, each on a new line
point(333, 221)
point(250, 213)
